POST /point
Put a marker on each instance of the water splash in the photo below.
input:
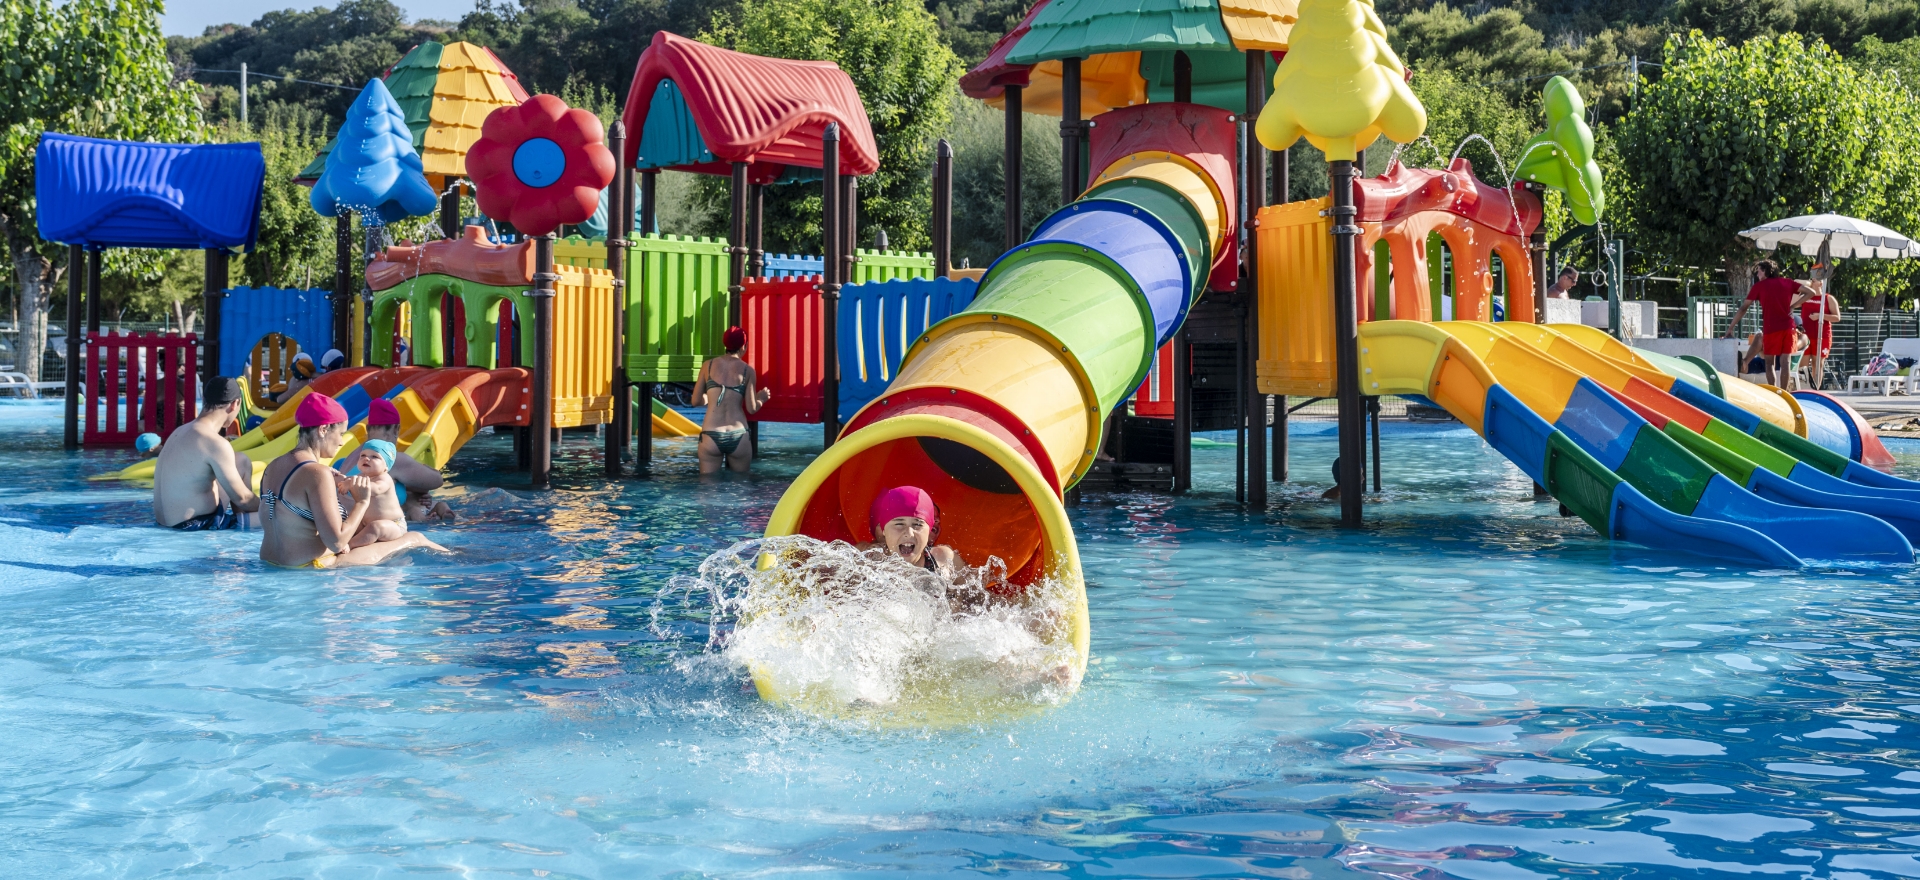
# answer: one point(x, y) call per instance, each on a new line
point(837, 630)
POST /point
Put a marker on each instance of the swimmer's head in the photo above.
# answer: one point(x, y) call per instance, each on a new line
point(905, 521)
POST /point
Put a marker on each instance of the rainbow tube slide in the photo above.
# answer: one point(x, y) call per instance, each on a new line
point(1644, 455)
point(997, 410)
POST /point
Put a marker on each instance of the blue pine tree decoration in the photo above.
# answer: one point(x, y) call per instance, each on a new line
point(373, 169)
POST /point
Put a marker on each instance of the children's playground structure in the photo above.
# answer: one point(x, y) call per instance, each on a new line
point(1167, 295)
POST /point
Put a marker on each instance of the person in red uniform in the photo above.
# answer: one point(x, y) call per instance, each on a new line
point(1817, 316)
point(1777, 296)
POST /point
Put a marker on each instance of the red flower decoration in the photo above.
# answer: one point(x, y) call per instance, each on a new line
point(538, 165)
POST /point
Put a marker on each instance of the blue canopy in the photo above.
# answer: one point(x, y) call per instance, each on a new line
point(105, 193)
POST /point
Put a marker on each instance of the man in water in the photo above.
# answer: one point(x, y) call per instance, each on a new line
point(905, 522)
point(148, 444)
point(200, 483)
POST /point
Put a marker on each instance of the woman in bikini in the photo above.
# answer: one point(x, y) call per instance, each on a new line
point(305, 525)
point(726, 388)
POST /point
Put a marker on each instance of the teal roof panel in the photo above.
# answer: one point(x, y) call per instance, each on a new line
point(1079, 28)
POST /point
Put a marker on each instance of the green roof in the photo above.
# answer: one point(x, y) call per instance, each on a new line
point(1079, 28)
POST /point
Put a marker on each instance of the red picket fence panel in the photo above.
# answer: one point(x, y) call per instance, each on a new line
point(1155, 397)
point(784, 318)
point(139, 382)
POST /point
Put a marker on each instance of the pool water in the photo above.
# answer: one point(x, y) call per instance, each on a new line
point(1473, 687)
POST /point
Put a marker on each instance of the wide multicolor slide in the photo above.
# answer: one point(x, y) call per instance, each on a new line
point(1666, 453)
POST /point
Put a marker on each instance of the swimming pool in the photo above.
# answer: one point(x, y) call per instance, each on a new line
point(1472, 687)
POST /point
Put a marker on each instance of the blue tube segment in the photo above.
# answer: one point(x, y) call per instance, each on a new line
point(1600, 423)
point(1636, 518)
point(1140, 243)
point(1829, 427)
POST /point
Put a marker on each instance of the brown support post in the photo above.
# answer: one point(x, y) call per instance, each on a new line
point(1070, 173)
point(1255, 174)
point(1183, 77)
point(737, 243)
point(1346, 346)
point(849, 229)
point(833, 229)
point(1016, 230)
point(1537, 250)
point(1373, 421)
point(649, 208)
point(76, 258)
point(212, 293)
point(942, 208)
point(540, 431)
point(93, 291)
point(1282, 180)
point(449, 211)
point(343, 281)
point(619, 218)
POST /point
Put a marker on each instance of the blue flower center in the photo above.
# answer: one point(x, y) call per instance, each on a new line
point(539, 162)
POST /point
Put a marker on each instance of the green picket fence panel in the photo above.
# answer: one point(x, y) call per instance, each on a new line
point(676, 306)
point(876, 266)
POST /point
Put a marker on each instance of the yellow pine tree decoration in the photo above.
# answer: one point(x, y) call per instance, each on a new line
point(1340, 86)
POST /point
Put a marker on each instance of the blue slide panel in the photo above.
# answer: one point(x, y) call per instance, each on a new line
point(1866, 476)
point(1834, 535)
point(1600, 423)
point(1517, 432)
point(1636, 518)
point(355, 401)
point(1903, 515)
point(1703, 400)
point(1141, 243)
point(1808, 475)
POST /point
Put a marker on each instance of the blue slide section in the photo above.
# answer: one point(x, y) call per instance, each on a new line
point(1902, 514)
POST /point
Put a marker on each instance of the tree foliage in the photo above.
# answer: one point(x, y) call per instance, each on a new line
point(892, 51)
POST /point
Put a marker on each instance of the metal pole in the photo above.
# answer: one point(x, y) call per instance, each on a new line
point(243, 93)
point(1255, 176)
point(832, 231)
point(214, 291)
point(737, 243)
point(619, 219)
point(649, 207)
point(942, 208)
point(93, 291)
point(1347, 345)
point(1016, 230)
point(76, 258)
point(1183, 79)
point(450, 209)
point(757, 222)
point(1070, 175)
point(1182, 412)
point(1282, 181)
point(343, 282)
point(850, 230)
point(1373, 419)
point(1537, 250)
point(541, 418)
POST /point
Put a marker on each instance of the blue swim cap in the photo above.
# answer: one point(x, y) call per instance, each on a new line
point(384, 448)
point(146, 442)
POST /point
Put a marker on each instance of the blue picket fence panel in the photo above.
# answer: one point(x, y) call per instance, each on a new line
point(792, 265)
point(249, 313)
point(879, 321)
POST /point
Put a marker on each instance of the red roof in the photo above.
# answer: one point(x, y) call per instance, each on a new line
point(754, 109)
point(989, 79)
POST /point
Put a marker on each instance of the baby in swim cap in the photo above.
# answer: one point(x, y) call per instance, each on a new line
point(905, 522)
point(385, 520)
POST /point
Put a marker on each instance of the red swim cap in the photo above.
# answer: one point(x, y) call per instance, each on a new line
point(318, 409)
point(383, 412)
point(902, 501)
point(734, 339)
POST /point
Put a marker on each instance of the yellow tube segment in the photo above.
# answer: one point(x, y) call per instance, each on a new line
point(1018, 367)
point(1186, 178)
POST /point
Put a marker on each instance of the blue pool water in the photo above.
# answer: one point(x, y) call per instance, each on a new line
point(1472, 687)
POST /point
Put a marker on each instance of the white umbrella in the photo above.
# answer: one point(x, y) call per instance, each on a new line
point(1848, 237)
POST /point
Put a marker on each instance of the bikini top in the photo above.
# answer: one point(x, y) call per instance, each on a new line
point(280, 497)
point(740, 389)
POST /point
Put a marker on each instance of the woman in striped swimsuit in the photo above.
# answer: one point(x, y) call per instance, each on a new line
point(305, 524)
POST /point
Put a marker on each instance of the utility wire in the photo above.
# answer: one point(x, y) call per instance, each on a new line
point(251, 75)
point(1563, 72)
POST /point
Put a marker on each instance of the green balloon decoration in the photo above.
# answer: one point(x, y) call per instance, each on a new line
point(1562, 156)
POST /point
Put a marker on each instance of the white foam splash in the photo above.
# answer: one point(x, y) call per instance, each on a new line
point(832, 628)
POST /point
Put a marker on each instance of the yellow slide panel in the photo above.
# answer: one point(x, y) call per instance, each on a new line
point(444, 431)
point(1763, 401)
point(668, 423)
point(1414, 357)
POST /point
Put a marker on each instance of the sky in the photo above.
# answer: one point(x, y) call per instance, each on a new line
point(188, 18)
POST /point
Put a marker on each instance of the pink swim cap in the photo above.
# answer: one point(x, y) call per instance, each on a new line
point(902, 501)
point(318, 409)
point(383, 412)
